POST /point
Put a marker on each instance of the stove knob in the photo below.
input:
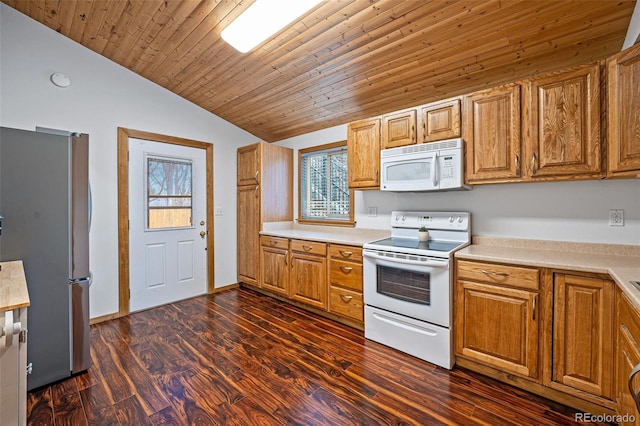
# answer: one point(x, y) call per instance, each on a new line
point(460, 219)
point(397, 218)
point(451, 219)
point(404, 218)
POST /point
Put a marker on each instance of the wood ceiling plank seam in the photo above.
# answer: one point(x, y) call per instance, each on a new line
point(333, 92)
point(139, 56)
point(136, 32)
point(198, 53)
point(66, 13)
point(95, 19)
point(79, 23)
point(113, 16)
point(265, 79)
point(178, 19)
point(37, 10)
point(361, 55)
point(121, 34)
point(51, 15)
point(229, 68)
point(188, 34)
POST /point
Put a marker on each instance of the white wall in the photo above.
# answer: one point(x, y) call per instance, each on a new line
point(564, 211)
point(633, 32)
point(102, 97)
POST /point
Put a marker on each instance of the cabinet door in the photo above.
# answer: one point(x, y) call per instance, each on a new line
point(248, 233)
point(583, 332)
point(439, 120)
point(565, 124)
point(491, 130)
point(623, 74)
point(249, 165)
point(399, 129)
point(627, 357)
point(498, 326)
point(308, 279)
point(274, 270)
point(363, 152)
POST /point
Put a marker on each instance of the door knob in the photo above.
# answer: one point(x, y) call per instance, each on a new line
point(203, 233)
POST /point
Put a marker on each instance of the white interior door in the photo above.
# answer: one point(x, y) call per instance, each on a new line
point(167, 228)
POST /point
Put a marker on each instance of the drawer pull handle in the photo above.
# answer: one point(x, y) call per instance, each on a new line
point(256, 178)
point(346, 298)
point(346, 269)
point(307, 248)
point(533, 308)
point(273, 243)
point(495, 274)
point(635, 395)
point(346, 253)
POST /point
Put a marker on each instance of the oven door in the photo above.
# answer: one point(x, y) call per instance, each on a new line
point(414, 172)
point(419, 289)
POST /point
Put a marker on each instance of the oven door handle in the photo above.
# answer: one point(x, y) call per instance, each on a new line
point(431, 262)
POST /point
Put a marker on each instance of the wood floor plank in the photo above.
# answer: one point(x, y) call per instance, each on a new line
point(243, 358)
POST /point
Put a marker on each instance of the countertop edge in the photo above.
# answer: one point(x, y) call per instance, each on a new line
point(621, 268)
point(14, 293)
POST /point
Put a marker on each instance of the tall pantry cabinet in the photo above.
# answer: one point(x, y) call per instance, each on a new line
point(265, 194)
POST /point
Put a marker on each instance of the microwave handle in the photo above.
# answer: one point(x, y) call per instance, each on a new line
point(434, 170)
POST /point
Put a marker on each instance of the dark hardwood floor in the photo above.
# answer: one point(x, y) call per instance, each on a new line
point(241, 358)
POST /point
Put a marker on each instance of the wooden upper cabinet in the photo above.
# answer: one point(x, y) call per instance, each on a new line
point(399, 129)
point(439, 120)
point(363, 153)
point(563, 117)
point(249, 165)
point(491, 131)
point(583, 330)
point(623, 74)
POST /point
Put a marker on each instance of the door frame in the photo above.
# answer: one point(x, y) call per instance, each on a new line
point(123, 206)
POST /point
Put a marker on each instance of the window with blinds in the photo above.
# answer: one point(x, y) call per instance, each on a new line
point(324, 185)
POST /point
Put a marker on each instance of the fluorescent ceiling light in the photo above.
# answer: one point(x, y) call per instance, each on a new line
point(263, 19)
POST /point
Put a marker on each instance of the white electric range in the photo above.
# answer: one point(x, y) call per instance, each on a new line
point(408, 284)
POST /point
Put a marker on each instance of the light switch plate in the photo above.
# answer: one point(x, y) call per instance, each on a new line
point(218, 211)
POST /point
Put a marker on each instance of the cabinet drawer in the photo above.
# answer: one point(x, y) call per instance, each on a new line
point(513, 276)
point(345, 274)
point(346, 303)
point(309, 247)
point(350, 253)
point(274, 242)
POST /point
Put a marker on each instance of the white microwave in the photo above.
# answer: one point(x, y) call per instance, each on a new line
point(433, 166)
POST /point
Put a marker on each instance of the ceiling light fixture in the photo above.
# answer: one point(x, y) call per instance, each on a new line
point(263, 19)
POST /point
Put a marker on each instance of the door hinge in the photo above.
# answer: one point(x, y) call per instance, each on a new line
point(29, 368)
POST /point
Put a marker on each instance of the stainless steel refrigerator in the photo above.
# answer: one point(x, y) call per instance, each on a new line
point(44, 201)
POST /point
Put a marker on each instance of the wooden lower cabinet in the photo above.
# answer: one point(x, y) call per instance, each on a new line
point(274, 264)
point(308, 275)
point(497, 325)
point(548, 331)
point(627, 357)
point(583, 337)
point(248, 228)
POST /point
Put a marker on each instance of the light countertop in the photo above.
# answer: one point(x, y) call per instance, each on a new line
point(13, 286)
point(326, 234)
point(621, 262)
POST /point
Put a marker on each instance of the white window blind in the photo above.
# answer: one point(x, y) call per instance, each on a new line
point(324, 188)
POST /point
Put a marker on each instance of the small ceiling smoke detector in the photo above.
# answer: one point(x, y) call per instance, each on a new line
point(60, 80)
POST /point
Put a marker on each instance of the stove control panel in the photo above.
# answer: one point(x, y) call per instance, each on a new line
point(458, 221)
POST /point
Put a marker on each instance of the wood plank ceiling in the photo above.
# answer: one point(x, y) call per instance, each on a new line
point(343, 61)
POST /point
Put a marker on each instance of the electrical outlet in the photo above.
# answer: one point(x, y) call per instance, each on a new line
point(218, 211)
point(373, 212)
point(616, 217)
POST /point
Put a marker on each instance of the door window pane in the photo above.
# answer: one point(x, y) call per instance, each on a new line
point(169, 191)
